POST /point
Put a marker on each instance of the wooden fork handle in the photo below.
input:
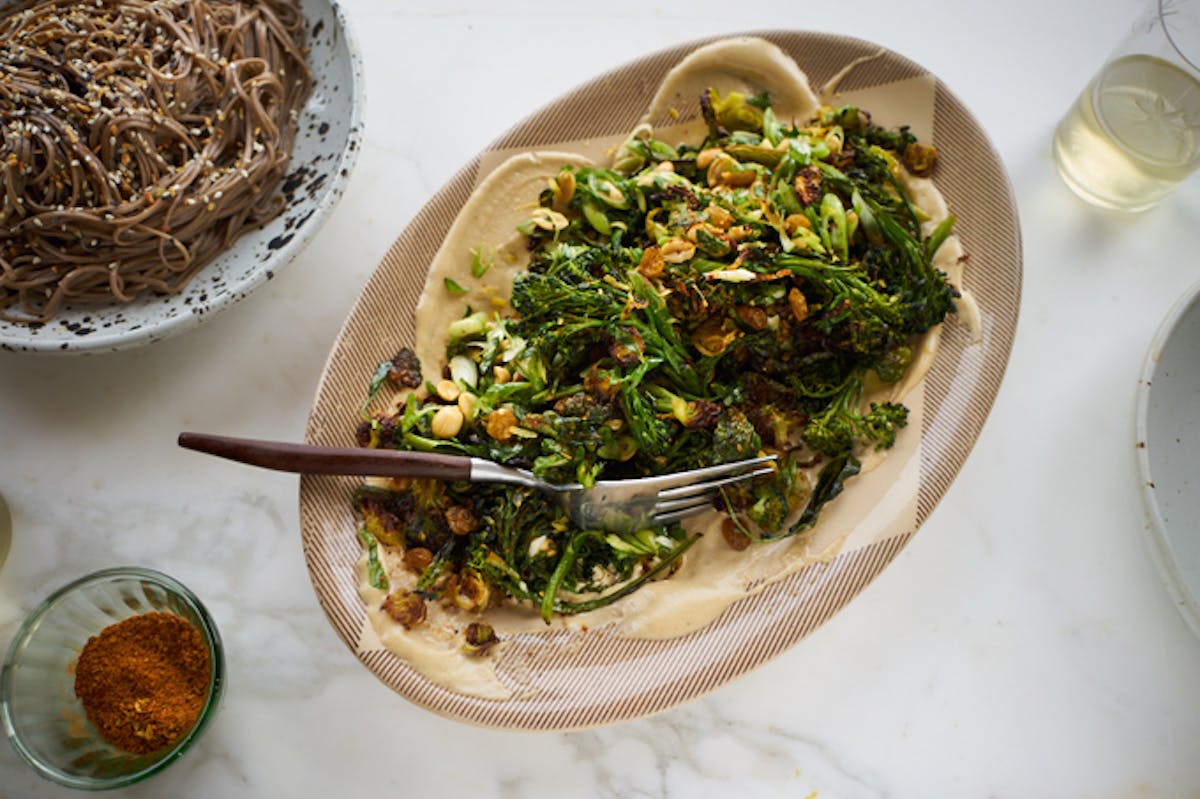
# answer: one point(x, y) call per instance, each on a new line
point(311, 459)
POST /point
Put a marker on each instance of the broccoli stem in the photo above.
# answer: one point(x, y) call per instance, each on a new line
point(632, 585)
point(565, 562)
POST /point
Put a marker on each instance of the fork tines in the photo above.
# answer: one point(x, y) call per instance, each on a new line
point(693, 491)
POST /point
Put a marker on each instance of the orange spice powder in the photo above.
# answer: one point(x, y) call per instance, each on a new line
point(143, 681)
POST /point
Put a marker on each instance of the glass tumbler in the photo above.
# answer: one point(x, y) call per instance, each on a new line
point(43, 718)
point(1133, 134)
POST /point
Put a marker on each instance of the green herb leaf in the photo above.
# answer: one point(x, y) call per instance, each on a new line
point(565, 562)
point(375, 573)
point(377, 381)
point(830, 482)
point(761, 101)
point(481, 260)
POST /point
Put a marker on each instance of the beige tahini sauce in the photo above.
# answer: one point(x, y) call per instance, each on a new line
point(712, 576)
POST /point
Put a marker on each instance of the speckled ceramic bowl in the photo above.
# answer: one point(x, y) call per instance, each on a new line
point(324, 153)
point(44, 720)
point(1168, 452)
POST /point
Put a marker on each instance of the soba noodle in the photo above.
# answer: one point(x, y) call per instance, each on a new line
point(140, 139)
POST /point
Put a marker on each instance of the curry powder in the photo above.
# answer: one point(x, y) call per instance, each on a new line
point(143, 681)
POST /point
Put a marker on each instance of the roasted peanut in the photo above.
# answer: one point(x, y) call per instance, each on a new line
point(795, 222)
point(563, 189)
point(739, 232)
point(447, 422)
point(466, 404)
point(739, 179)
point(720, 168)
point(718, 217)
point(705, 157)
point(676, 251)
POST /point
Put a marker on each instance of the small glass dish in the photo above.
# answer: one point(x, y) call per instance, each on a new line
point(42, 716)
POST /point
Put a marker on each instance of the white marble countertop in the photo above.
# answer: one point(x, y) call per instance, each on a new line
point(1021, 645)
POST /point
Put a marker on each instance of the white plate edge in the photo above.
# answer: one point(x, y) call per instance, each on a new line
point(1155, 528)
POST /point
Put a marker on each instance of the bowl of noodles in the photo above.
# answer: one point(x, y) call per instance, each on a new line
point(159, 161)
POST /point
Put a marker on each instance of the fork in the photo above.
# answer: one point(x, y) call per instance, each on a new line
point(615, 505)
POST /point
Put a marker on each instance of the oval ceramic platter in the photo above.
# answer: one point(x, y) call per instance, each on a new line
point(569, 679)
point(324, 152)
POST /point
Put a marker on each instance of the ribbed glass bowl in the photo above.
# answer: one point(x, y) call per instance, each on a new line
point(42, 716)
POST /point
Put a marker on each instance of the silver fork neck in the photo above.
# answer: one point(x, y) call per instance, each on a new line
point(490, 472)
